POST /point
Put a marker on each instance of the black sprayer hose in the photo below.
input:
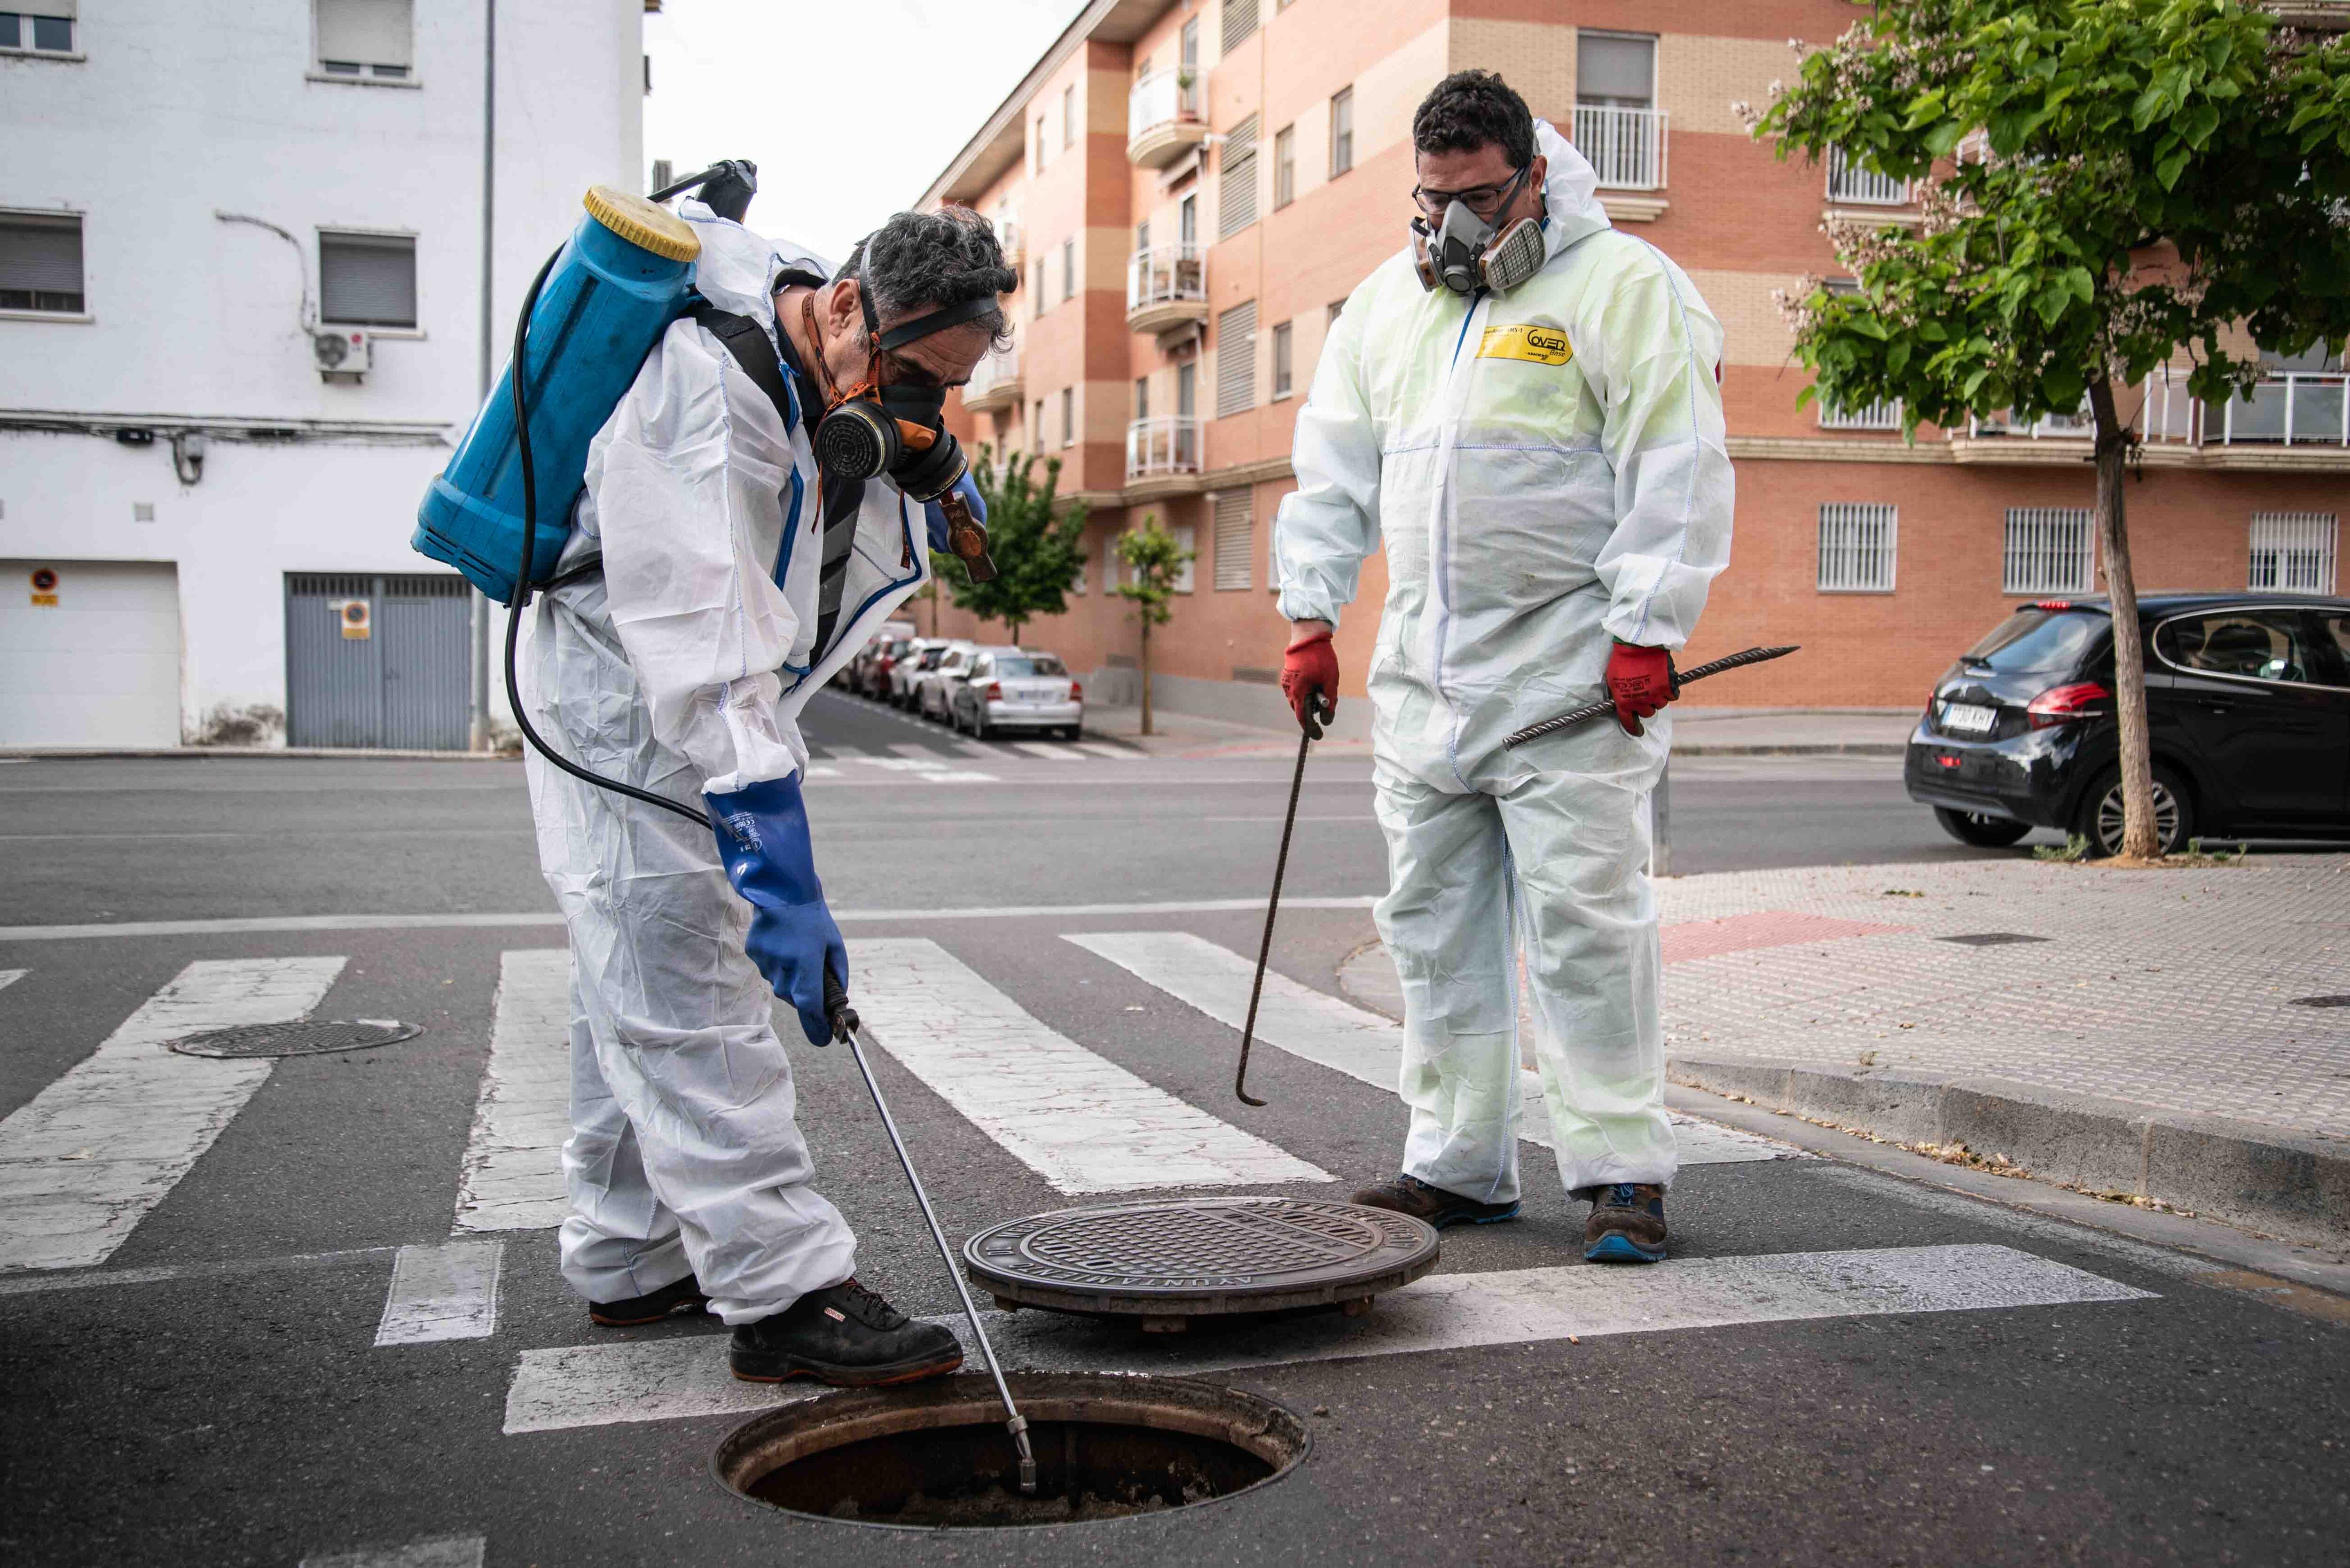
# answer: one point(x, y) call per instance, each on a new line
point(521, 598)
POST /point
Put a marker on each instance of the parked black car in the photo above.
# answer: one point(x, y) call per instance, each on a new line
point(2248, 703)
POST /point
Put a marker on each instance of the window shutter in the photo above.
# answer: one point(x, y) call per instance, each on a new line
point(2049, 550)
point(1236, 360)
point(1235, 535)
point(41, 253)
point(1236, 186)
point(1240, 21)
point(1617, 69)
point(366, 32)
point(367, 280)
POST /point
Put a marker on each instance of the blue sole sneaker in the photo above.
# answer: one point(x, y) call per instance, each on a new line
point(1627, 1224)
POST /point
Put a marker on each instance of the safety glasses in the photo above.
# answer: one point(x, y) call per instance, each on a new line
point(1483, 199)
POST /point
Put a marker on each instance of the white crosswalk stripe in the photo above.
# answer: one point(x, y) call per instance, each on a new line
point(445, 1552)
point(9, 977)
point(1114, 753)
point(1082, 1122)
point(448, 1292)
point(924, 764)
point(1323, 1029)
point(512, 1175)
point(671, 1379)
point(1051, 753)
point(86, 1158)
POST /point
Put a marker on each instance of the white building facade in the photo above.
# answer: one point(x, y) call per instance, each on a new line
point(241, 328)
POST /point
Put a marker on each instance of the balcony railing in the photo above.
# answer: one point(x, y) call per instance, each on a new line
point(1163, 97)
point(2292, 408)
point(1625, 146)
point(1168, 444)
point(1849, 182)
point(995, 381)
point(1165, 274)
point(1884, 416)
point(2047, 426)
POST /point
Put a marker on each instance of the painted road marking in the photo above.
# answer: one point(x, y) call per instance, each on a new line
point(1082, 1122)
point(670, 1378)
point(450, 1551)
point(9, 977)
point(513, 1174)
point(448, 1292)
point(1337, 1034)
point(1050, 754)
point(83, 1161)
point(1104, 748)
point(229, 1268)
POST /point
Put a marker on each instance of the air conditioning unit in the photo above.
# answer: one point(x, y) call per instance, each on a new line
point(343, 351)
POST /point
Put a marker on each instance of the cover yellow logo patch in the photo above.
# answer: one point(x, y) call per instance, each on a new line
point(1535, 344)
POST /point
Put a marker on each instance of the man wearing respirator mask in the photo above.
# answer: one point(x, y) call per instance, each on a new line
point(768, 490)
point(1525, 406)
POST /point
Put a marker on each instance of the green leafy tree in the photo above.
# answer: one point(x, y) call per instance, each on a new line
point(1036, 553)
point(1154, 562)
point(2105, 184)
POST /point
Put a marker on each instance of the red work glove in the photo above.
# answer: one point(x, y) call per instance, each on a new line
point(1641, 679)
point(1309, 679)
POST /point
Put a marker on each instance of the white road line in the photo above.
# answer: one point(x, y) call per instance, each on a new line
point(1348, 1039)
point(924, 764)
point(448, 1292)
point(957, 775)
point(513, 1175)
point(227, 1269)
point(1082, 1122)
point(670, 1378)
point(451, 1552)
point(9, 977)
point(1049, 752)
point(821, 770)
point(83, 1161)
point(1114, 753)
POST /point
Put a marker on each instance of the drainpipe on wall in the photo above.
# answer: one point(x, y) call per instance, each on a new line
point(480, 725)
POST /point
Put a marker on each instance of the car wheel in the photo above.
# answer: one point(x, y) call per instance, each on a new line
point(1980, 829)
point(979, 727)
point(1072, 731)
point(2099, 819)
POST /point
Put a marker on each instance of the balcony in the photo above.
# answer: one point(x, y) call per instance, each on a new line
point(1159, 447)
point(1166, 286)
point(1850, 185)
point(994, 382)
point(2294, 421)
point(1625, 146)
point(1871, 417)
point(1162, 119)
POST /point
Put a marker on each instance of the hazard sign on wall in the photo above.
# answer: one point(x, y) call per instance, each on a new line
point(45, 588)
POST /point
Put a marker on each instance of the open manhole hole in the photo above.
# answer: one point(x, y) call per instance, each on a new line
point(303, 1038)
point(1170, 1263)
point(2322, 1002)
point(1991, 939)
point(936, 1455)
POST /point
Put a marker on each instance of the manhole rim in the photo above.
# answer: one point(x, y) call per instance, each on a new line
point(971, 1398)
point(1139, 1299)
point(398, 1032)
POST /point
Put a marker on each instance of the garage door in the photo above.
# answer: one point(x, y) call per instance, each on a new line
point(379, 662)
point(89, 653)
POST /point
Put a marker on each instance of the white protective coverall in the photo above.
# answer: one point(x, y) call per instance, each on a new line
point(681, 667)
point(1547, 469)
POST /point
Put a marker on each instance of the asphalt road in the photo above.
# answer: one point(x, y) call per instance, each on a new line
point(1954, 1380)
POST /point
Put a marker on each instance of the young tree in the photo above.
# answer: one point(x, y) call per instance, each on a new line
point(2105, 184)
point(1037, 554)
point(1155, 561)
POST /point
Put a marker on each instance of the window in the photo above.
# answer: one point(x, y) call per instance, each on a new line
point(1068, 415)
point(1331, 313)
point(1036, 146)
point(1280, 361)
point(1069, 268)
point(367, 280)
point(1069, 115)
point(1235, 536)
point(1240, 21)
point(1036, 290)
point(1187, 220)
point(1617, 123)
point(1036, 426)
point(40, 263)
point(1616, 70)
point(1186, 539)
point(48, 31)
point(663, 173)
point(1236, 186)
point(366, 38)
point(1236, 360)
point(1142, 235)
point(1187, 390)
point(1848, 181)
point(1191, 47)
point(1112, 564)
point(1142, 397)
point(2249, 644)
point(1342, 131)
point(2049, 550)
point(1857, 544)
point(1284, 167)
point(2293, 552)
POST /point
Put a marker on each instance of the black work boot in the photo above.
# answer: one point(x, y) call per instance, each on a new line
point(1410, 1195)
point(683, 1296)
point(845, 1335)
point(1626, 1223)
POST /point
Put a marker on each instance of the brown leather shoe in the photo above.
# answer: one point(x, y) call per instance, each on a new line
point(1410, 1195)
point(1627, 1224)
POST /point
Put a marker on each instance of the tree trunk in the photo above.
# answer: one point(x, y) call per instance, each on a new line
point(2138, 839)
point(1146, 670)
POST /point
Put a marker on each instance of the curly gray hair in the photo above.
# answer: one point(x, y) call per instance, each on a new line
point(919, 261)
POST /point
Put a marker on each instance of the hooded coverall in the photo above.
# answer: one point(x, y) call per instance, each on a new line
point(727, 598)
point(1548, 470)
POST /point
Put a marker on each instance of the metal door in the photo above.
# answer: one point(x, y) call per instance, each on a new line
point(377, 660)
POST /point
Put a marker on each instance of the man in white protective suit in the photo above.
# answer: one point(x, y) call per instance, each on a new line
point(1525, 406)
point(715, 581)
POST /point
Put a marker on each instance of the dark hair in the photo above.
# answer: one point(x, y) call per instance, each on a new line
point(922, 261)
point(1469, 110)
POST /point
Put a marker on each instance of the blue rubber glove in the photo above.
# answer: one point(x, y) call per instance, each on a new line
point(763, 842)
point(968, 488)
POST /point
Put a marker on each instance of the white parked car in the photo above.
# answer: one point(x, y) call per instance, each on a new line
point(931, 678)
point(1017, 689)
point(921, 653)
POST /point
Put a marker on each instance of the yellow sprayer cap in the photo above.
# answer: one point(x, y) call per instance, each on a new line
point(643, 224)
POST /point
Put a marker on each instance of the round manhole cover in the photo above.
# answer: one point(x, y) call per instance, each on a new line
point(1172, 1259)
point(303, 1038)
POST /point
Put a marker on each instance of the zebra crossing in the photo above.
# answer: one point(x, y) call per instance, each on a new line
point(948, 760)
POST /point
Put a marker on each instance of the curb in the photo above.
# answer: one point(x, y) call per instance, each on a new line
point(206, 753)
point(1794, 749)
point(2265, 1177)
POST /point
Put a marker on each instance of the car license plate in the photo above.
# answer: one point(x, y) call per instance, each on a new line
point(1968, 719)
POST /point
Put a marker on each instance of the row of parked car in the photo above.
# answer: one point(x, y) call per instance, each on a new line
point(977, 689)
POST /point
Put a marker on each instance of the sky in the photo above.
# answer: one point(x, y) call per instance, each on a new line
point(849, 107)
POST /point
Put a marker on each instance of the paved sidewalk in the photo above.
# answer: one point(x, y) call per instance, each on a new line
point(2152, 1033)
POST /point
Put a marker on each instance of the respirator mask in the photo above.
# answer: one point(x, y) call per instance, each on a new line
point(1462, 251)
point(883, 427)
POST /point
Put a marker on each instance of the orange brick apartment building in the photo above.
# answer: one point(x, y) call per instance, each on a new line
point(1192, 187)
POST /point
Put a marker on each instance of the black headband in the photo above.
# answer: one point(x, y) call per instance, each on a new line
point(921, 326)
